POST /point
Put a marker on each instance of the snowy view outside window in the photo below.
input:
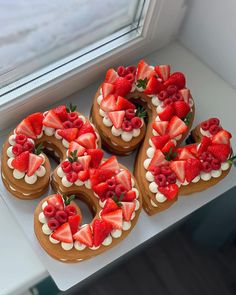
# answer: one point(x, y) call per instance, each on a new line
point(35, 33)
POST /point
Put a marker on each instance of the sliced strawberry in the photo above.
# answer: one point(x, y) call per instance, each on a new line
point(117, 118)
point(114, 218)
point(87, 140)
point(176, 127)
point(222, 136)
point(204, 144)
point(34, 163)
point(101, 230)
point(69, 134)
point(84, 161)
point(84, 235)
point(163, 71)
point(160, 126)
point(63, 234)
point(101, 189)
point(123, 104)
point(98, 175)
point(110, 164)
point(185, 92)
point(74, 223)
point(192, 148)
point(160, 141)
point(52, 120)
point(25, 128)
point(56, 201)
point(86, 128)
point(110, 206)
point(36, 121)
point(157, 160)
point(153, 86)
point(111, 76)
point(144, 70)
point(177, 79)
point(220, 151)
point(74, 146)
point(169, 145)
point(124, 178)
point(127, 210)
point(181, 108)
point(170, 191)
point(167, 113)
point(129, 196)
point(96, 157)
point(122, 86)
point(83, 175)
point(179, 168)
point(61, 112)
point(192, 169)
point(108, 104)
point(21, 162)
point(107, 88)
point(185, 154)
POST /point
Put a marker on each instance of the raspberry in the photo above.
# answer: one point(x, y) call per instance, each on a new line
point(109, 194)
point(214, 129)
point(127, 126)
point(136, 122)
point(171, 178)
point(129, 114)
point(17, 149)
point(177, 96)
point(131, 69)
point(21, 139)
point(215, 164)
point(130, 77)
point(172, 89)
point(70, 210)
point(156, 170)
point(168, 101)
point(111, 184)
point(165, 169)
point(121, 71)
point(66, 166)
point(214, 121)
point(204, 156)
point(72, 116)
point(61, 216)
point(163, 95)
point(120, 189)
point(53, 224)
point(160, 180)
point(28, 146)
point(205, 125)
point(72, 176)
point(206, 167)
point(68, 124)
point(77, 167)
point(49, 211)
point(78, 123)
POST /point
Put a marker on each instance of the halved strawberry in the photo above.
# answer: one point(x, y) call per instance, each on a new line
point(61, 112)
point(69, 134)
point(192, 148)
point(36, 121)
point(160, 126)
point(111, 76)
point(56, 201)
point(83, 175)
point(110, 206)
point(160, 141)
point(87, 140)
point(84, 161)
point(185, 154)
point(110, 164)
point(169, 145)
point(25, 128)
point(74, 221)
point(170, 191)
point(84, 235)
point(185, 92)
point(117, 118)
point(157, 160)
point(52, 120)
point(153, 86)
point(107, 88)
point(181, 108)
point(127, 210)
point(177, 79)
point(163, 71)
point(204, 144)
point(63, 234)
point(192, 169)
point(34, 163)
point(222, 136)
point(124, 178)
point(176, 127)
point(98, 175)
point(96, 157)
point(21, 162)
point(74, 146)
point(129, 196)
point(101, 189)
point(179, 168)
point(123, 104)
point(114, 218)
point(167, 113)
point(101, 230)
point(108, 104)
point(144, 70)
point(122, 86)
point(220, 151)
point(86, 128)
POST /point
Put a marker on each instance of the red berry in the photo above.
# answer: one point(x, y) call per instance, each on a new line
point(127, 126)
point(171, 178)
point(78, 123)
point(49, 211)
point(177, 96)
point(28, 146)
point(122, 86)
point(205, 125)
point(77, 167)
point(165, 169)
point(172, 89)
point(120, 189)
point(61, 216)
point(72, 176)
point(109, 194)
point(156, 170)
point(66, 166)
point(214, 129)
point(214, 121)
point(72, 116)
point(68, 124)
point(70, 210)
point(136, 122)
point(215, 164)
point(168, 101)
point(160, 180)
point(131, 69)
point(21, 139)
point(121, 71)
point(111, 184)
point(129, 114)
point(163, 95)
point(204, 156)
point(53, 224)
point(206, 167)
point(17, 149)
point(130, 77)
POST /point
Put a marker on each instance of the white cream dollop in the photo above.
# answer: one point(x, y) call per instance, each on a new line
point(126, 136)
point(205, 133)
point(115, 131)
point(79, 246)
point(17, 174)
point(107, 122)
point(11, 139)
point(41, 171)
point(49, 131)
point(146, 163)
point(126, 225)
point(65, 182)
point(160, 198)
point(153, 187)
point(46, 230)
point(58, 136)
point(60, 172)
point(53, 241)
point(102, 113)
point(9, 163)
point(225, 166)
point(30, 179)
point(67, 246)
point(216, 173)
point(116, 233)
point(99, 99)
point(65, 143)
point(150, 152)
point(136, 132)
point(9, 152)
point(149, 176)
point(107, 241)
point(205, 176)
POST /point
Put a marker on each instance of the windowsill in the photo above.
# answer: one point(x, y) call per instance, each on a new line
point(207, 88)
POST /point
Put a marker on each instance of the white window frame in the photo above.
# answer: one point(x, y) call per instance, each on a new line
point(160, 25)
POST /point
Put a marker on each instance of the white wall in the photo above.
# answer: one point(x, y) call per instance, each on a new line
point(209, 30)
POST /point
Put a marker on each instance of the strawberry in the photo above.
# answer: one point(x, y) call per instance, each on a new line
point(170, 144)
point(114, 218)
point(101, 189)
point(83, 175)
point(177, 79)
point(36, 121)
point(192, 148)
point(123, 104)
point(160, 126)
point(144, 70)
point(185, 92)
point(129, 196)
point(111, 76)
point(110, 206)
point(127, 210)
point(69, 134)
point(56, 201)
point(21, 162)
point(84, 235)
point(160, 141)
point(192, 169)
point(204, 144)
point(34, 163)
point(86, 128)
point(74, 146)
point(185, 154)
point(179, 168)
point(170, 191)
point(181, 108)
point(107, 88)
point(87, 140)
point(52, 120)
point(63, 233)
point(74, 221)
point(154, 86)
point(124, 178)
point(84, 161)
point(96, 157)
point(101, 230)
point(157, 160)
point(117, 118)
point(220, 151)
point(122, 86)
point(108, 104)
point(163, 71)
point(25, 128)
point(98, 176)
point(176, 127)
point(61, 112)
point(222, 136)
point(110, 164)
point(167, 113)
